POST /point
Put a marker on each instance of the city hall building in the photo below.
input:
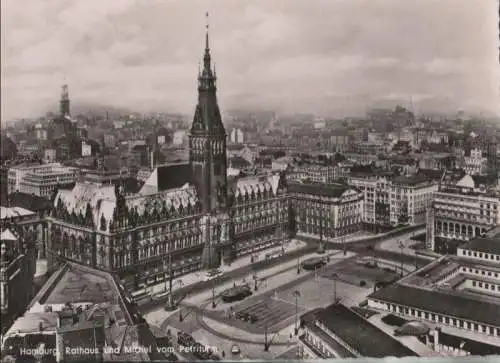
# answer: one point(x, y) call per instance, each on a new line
point(185, 217)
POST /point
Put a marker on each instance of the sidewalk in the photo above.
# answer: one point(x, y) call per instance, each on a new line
point(194, 277)
point(358, 236)
point(393, 245)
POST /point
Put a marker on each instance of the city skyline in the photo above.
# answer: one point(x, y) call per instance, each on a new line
point(332, 58)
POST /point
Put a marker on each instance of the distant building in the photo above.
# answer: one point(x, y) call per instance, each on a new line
point(390, 200)
point(237, 136)
point(109, 141)
point(460, 213)
point(315, 173)
point(179, 137)
point(50, 155)
point(282, 164)
point(86, 149)
point(325, 210)
point(41, 180)
point(475, 163)
point(436, 161)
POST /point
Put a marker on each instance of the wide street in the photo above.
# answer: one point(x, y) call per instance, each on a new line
point(360, 247)
point(285, 295)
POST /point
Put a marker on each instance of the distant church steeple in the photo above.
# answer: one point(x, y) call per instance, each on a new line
point(64, 103)
point(207, 141)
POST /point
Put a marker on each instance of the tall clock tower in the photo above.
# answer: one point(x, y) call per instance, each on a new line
point(207, 142)
point(208, 161)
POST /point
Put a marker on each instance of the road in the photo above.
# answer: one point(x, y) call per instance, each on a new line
point(360, 247)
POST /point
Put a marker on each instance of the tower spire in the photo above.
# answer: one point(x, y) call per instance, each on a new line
point(64, 102)
point(207, 48)
point(206, 58)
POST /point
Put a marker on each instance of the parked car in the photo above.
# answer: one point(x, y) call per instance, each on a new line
point(212, 274)
point(235, 349)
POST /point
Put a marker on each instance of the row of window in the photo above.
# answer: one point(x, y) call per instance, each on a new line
point(459, 323)
point(492, 287)
point(318, 344)
point(487, 256)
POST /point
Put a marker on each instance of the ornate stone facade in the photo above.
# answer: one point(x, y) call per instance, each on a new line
point(189, 214)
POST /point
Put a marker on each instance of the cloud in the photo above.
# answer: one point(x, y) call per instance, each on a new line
point(322, 56)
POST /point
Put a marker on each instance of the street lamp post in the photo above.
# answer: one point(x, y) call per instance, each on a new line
point(321, 247)
point(334, 278)
point(401, 246)
point(213, 294)
point(297, 295)
point(181, 318)
point(345, 245)
point(170, 301)
point(266, 343)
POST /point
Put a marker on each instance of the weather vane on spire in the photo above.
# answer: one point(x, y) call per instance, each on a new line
point(206, 18)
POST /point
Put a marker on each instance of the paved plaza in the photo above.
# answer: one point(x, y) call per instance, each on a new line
point(354, 272)
point(270, 312)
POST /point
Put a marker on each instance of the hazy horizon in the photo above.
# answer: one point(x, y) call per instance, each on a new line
point(332, 57)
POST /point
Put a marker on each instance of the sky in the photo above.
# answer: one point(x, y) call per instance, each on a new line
point(331, 57)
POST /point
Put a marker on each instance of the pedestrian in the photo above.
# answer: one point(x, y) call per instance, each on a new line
point(291, 335)
point(223, 354)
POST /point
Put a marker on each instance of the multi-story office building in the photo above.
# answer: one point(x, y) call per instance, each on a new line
point(460, 213)
point(190, 215)
point(44, 181)
point(391, 200)
point(315, 173)
point(475, 163)
point(325, 210)
point(40, 179)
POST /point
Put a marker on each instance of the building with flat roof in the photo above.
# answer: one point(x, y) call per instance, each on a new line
point(40, 179)
point(81, 314)
point(390, 200)
point(325, 210)
point(460, 293)
point(338, 332)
